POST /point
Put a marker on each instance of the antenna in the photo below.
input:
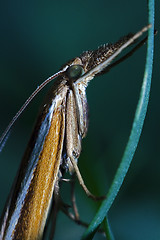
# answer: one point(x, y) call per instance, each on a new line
point(6, 132)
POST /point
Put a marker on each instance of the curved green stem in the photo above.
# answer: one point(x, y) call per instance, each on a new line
point(134, 136)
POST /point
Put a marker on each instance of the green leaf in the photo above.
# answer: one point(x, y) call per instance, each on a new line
point(134, 135)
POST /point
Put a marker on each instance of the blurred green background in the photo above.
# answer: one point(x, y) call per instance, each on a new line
point(37, 37)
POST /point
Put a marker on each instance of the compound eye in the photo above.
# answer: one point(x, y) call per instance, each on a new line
point(75, 71)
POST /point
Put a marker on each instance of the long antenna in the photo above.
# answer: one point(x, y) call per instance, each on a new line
point(5, 134)
point(88, 76)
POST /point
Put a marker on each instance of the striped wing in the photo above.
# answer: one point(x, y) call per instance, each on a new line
point(27, 210)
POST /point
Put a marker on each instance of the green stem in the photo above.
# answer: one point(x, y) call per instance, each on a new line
point(107, 228)
point(134, 136)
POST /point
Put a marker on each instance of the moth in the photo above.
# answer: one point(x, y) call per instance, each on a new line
point(55, 144)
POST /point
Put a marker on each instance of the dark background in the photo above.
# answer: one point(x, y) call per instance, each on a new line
point(37, 37)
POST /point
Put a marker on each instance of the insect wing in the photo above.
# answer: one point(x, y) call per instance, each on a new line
point(28, 208)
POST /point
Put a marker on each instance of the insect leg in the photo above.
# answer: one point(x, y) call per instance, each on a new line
point(73, 142)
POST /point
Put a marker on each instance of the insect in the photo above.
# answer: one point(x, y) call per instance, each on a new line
point(55, 144)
